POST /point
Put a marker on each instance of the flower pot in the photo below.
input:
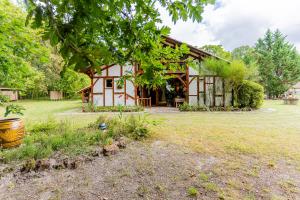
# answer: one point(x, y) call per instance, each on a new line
point(11, 132)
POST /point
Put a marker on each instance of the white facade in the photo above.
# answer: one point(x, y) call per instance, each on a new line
point(202, 90)
point(107, 92)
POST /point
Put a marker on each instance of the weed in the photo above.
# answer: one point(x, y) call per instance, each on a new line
point(192, 191)
point(210, 186)
point(160, 188)
point(142, 190)
point(203, 177)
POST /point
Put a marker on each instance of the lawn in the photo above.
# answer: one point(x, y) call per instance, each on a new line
point(273, 131)
point(246, 155)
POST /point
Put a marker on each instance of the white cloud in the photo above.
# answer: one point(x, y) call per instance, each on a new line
point(239, 22)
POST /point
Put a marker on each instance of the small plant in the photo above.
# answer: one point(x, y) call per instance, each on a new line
point(211, 186)
point(142, 190)
point(3, 99)
point(203, 177)
point(192, 191)
point(13, 109)
point(44, 126)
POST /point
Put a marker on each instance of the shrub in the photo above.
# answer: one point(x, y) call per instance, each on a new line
point(4, 99)
point(250, 94)
point(186, 107)
point(135, 127)
point(114, 108)
point(44, 126)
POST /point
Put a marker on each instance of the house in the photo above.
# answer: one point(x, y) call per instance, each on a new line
point(11, 93)
point(295, 89)
point(186, 86)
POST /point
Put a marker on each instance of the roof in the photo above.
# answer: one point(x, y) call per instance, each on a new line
point(84, 89)
point(6, 88)
point(196, 52)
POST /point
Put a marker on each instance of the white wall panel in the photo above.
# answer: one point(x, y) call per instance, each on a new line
point(193, 100)
point(98, 100)
point(130, 102)
point(128, 68)
point(193, 87)
point(130, 88)
point(114, 70)
point(119, 99)
point(192, 71)
point(98, 87)
point(108, 97)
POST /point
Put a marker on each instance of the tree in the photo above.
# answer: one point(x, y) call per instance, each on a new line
point(28, 62)
point(217, 50)
point(92, 33)
point(278, 61)
point(20, 49)
point(248, 55)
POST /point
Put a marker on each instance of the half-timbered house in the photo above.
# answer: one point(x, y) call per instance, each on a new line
point(186, 86)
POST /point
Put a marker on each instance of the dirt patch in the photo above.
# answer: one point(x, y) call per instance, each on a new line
point(156, 170)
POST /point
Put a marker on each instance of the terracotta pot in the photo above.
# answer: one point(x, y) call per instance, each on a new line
point(11, 132)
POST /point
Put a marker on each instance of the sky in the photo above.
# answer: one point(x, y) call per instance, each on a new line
point(233, 23)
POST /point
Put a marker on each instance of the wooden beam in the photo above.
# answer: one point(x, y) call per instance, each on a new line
point(204, 90)
point(182, 81)
point(198, 88)
point(92, 91)
point(187, 83)
point(113, 91)
point(192, 79)
point(125, 92)
point(103, 91)
point(223, 83)
point(214, 91)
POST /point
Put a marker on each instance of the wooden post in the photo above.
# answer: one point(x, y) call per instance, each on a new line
point(104, 91)
point(187, 84)
point(92, 91)
point(214, 91)
point(223, 82)
point(125, 95)
point(113, 90)
point(204, 90)
point(198, 88)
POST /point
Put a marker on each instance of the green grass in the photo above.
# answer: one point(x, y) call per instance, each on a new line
point(271, 133)
point(274, 133)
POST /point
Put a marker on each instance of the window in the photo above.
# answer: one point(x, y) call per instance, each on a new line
point(109, 83)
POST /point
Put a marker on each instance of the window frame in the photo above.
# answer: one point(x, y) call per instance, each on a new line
point(109, 79)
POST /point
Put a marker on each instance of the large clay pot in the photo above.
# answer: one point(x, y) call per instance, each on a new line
point(11, 132)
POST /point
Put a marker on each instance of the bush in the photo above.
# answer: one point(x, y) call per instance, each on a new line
point(135, 127)
point(250, 94)
point(186, 107)
point(4, 99)
point(195, 108)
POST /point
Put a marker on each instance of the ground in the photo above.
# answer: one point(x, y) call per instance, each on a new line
point(212, 155)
